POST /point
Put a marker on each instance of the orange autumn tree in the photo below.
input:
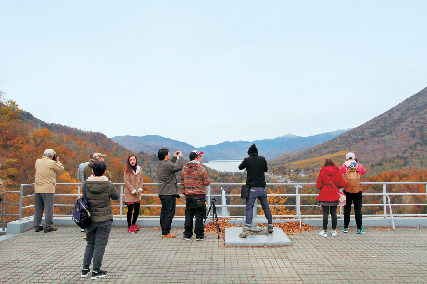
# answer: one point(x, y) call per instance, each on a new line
point(150, 200)
point(276, 200)
point(40, 136)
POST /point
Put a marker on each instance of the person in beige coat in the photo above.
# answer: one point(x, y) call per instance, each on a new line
point(47, 168)
point(132, 191)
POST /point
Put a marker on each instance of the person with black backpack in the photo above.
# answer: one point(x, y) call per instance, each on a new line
point(99, 191)
point(352, 170)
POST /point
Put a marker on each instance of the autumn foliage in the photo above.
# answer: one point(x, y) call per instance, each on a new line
point(23, 139)
point(22, 143)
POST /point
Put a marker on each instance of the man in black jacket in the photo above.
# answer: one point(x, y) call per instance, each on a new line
point(255, 167)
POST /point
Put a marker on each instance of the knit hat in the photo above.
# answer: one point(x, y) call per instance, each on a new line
point(350, 156)
point(253, 150)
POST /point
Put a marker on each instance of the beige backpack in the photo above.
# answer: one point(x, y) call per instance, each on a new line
point(352, 178)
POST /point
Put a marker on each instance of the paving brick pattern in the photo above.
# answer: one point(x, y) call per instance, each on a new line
point(379, 256)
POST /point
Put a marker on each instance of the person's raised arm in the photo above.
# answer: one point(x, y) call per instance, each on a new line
point(242, 165)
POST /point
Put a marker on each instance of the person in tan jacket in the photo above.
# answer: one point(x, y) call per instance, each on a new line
point(132, 191)
point(47, 168)
point(96, 157)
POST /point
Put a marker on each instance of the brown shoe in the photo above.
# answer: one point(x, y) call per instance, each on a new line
point(169, 236)
point(51, 229)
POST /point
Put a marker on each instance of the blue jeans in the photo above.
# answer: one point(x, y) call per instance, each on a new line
point(261, 194)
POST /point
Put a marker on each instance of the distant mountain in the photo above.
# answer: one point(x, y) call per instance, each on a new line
point(270, 148)
point(393, 140)
point(152, 143)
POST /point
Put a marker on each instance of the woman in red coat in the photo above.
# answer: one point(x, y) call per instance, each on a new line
point(329, 182)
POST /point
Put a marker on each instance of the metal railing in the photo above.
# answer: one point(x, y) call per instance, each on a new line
point(294, 209)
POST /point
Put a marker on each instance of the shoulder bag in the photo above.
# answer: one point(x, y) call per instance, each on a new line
point(342, 197)
point(244, 191)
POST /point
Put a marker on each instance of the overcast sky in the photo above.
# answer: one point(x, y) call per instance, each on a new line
point(204, 72)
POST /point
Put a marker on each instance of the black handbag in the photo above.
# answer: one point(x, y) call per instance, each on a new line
point(244, 191)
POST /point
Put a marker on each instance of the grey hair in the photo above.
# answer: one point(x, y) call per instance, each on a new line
point(50, 155)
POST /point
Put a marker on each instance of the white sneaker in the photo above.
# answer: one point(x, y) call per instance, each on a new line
point(334, 233)
point(323, 234)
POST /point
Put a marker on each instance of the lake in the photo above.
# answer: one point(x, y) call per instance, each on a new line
point(224, 165)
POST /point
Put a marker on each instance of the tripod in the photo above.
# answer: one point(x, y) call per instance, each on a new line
point(215, 216)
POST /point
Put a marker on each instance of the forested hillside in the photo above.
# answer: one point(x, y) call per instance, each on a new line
point(393, 140)
point(24, 138)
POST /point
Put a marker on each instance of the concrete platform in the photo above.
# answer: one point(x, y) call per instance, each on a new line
point(277, 238)
point(382, 256)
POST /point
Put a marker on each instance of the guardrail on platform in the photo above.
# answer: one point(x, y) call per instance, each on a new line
point(297, 204)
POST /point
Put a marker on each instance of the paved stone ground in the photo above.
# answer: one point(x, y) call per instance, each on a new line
point(379, 256)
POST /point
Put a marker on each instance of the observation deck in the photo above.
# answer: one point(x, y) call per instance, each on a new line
point(381, 255)
point(378, 256)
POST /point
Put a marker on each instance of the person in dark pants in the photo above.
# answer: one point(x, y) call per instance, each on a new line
point(194, 178)
point(168, 187)
point(329, 182)
point(256, 166)
point(357, 200)
point(353, 195)
point(99, 191)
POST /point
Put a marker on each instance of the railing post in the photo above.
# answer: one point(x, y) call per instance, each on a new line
point(208, 196)
point(21, 196)
point(391, 212)
point(121, 201)
point(3, 212)
point(298, 204)
point(79, 190)
point(385, 200)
